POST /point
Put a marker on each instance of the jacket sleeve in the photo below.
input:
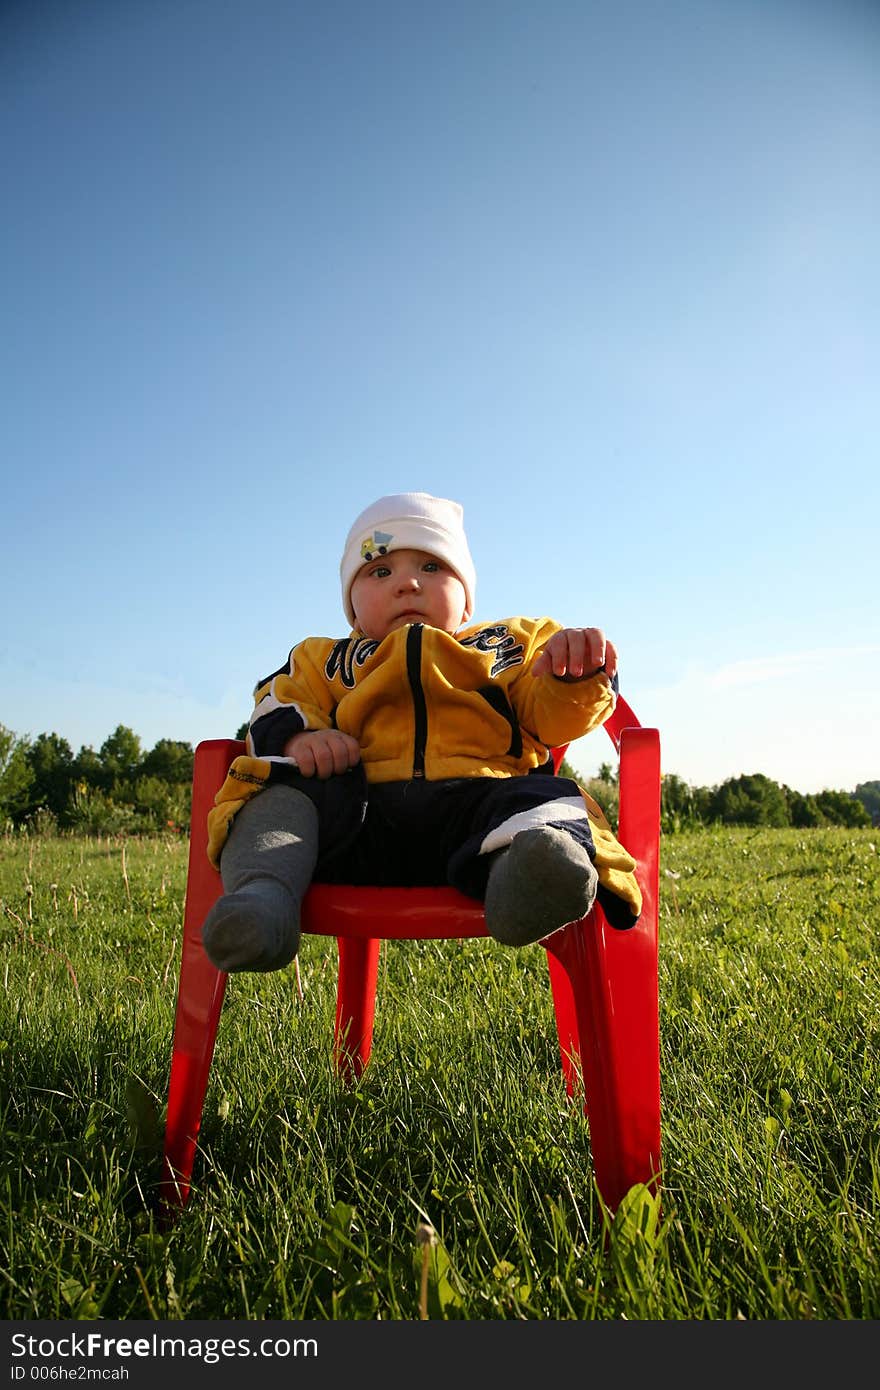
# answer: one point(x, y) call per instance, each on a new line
point(552, 709)
point(295, 697)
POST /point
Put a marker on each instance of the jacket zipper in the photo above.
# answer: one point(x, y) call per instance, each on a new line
point(414, 672)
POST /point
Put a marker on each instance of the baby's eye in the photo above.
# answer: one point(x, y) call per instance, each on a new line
point(432, 566)
point(380, 572)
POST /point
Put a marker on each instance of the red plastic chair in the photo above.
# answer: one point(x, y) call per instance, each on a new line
point(604, 982)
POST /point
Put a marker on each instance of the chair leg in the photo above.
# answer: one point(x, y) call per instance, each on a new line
point(200, 992)
point(566, 1021)
point(200, 999)
point(355, 1003)
point(613, 981)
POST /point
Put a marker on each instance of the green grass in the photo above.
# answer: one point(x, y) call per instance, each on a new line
point(308, 1195)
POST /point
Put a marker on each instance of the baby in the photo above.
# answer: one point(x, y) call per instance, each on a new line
point(416, 751)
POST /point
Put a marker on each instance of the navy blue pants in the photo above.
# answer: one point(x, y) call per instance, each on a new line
point(421, 834)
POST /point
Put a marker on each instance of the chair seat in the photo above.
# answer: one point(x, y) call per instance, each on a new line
point(391, 914)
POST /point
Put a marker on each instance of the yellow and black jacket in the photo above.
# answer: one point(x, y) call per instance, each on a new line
point(426, 704)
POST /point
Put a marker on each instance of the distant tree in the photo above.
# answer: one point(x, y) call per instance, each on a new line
point(803, 811)
point(16, 775)
point(169, 760)
point(120, 755)
point(868, 793)
point(607, 773)
point(752, 799)
point(842, 808)
point(51, 761)
point(566, 770)
point(241, 731)
point(87, 767)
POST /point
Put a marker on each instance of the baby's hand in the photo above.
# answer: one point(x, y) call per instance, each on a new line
point(322, 753)
point(576, 653)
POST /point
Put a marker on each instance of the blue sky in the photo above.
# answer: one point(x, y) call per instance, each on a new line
point(608, 274)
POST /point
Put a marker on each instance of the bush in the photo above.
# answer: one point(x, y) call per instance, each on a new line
point(93, 812)
point(682, 807)
point(607, 794)
point(842, 809)
point(159, 805)
point(42, 821)
point(750, 800)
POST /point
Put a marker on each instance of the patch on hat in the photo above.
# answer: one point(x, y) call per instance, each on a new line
point(376, 544)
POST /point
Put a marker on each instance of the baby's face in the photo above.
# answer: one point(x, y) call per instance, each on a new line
point(407, 586)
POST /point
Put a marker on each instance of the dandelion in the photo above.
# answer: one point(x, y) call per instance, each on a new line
point(426, 1237)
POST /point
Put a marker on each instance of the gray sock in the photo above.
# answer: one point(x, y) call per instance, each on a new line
point(543, 880)
point(266, 867)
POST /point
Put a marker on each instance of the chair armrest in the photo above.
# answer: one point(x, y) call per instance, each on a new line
point(638, 825)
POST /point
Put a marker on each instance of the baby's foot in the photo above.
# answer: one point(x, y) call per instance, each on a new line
point(543, 880)
point(254, 928)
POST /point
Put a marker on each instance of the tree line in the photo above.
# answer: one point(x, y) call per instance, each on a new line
point(751, 799)
point(118, 789)
point(122, 789)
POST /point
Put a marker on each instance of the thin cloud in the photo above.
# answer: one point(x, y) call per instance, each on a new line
point(763, 669)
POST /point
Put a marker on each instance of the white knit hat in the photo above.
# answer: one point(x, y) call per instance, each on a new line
point(409, 521)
